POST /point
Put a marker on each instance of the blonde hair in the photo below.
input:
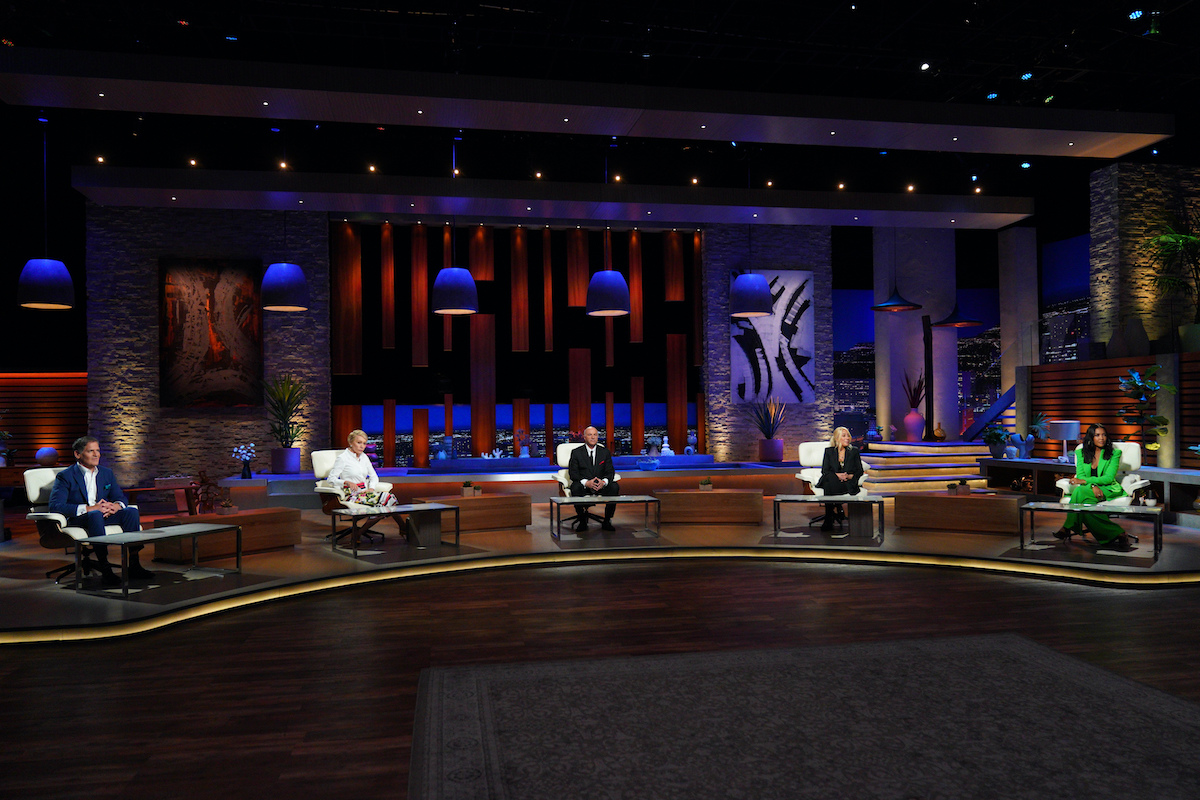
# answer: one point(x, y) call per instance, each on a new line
point(354, 434)
point(833, 437)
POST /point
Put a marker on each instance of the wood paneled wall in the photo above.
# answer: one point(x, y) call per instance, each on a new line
point(578, 273)
point(483, 383)
point(519, 291)
point(483, 254)
point(677, 394)
point(345, 418)
point(579, 392)
point(389, 434)
point(547, 294)
point(635, 289)
point(673, 268)
point(1189, 409)
point(419, 274)
point(44, 409)
point(420, 425)
point(345, 311)
point(387, 288)
point(637, 413)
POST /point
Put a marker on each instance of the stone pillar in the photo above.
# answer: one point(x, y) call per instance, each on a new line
point(922, 263)
point(1018, 311)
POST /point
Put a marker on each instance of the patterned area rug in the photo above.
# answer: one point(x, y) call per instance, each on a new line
point(967, 717)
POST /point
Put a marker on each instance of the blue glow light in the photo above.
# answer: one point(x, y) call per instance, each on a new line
point(992, 95)
point(274, 130)
point(1026, 76)
point(1025, 165)
point(231, 38)
point(1136, 14)
point(883, 152)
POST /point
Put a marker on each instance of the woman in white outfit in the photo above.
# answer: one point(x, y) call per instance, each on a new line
point(357, 475)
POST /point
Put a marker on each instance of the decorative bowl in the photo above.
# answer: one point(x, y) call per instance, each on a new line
point(647, 464)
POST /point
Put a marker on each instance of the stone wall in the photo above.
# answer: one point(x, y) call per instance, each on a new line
point(731, 437)
point(1127, 201)
point(139, 439)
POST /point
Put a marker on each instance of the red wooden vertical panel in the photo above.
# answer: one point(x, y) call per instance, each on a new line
point(635, 288)
point(448, 402)
point(697, 301)
point(520, 407)
point(343, 419)
point(701, 436)
point(610, 422)
point(577, 268)
point(551, 449)
point(346, 302)
point(519, 291)
point(677, 389)
point(419, 274)
point(579, 391)
point(637, 413)
point(673, 265)
point(547, 293)
point(483, 383)
point(387, 295)
point(420, 426)
point(447, 319)
point(389, 433)
point(482, 254)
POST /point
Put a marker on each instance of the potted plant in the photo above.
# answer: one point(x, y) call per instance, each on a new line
point(767, 415)
point(1035, 429)
point(245, 454)
point(226, 506)
point(470, 490)
point(996, 438)
point(1143, 390)
point(1173, 248)
point(706, 484)
point(207, 493)
point(285, 397)
point(914, 423)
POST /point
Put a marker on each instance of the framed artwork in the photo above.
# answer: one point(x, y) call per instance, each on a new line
point(210, 333)
point(772, 356)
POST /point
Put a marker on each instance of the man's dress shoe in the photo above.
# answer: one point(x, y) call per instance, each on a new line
point(607, 525)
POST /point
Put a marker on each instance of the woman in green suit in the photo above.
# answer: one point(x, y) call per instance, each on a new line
point(1095, 482)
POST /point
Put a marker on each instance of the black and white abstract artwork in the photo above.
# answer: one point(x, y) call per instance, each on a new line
point(772, 356)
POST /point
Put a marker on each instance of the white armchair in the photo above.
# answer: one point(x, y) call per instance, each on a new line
point(333, 494)
point(1131, 460)
point(53, 531)
point(811, 454)
point(562, 456)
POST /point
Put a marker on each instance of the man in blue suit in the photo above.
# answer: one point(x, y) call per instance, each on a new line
point(87, 494)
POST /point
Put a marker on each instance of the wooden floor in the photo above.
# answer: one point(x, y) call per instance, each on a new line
point(313, 696)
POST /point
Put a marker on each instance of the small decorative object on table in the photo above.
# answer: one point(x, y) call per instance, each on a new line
point(520, 443)
point(647, 464)
point(470, 489)
point(245, 454)
point(706, 484)
point(226, 506)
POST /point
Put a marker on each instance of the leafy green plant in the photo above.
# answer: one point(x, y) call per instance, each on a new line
point(1143, 390)
point(285, 397)
point(207, 492)
point(706, 481)
point(994, 434)
point(1038, 425)
point(767, 415)
point(1173, 248)
point(467, 484)
point(915, 392)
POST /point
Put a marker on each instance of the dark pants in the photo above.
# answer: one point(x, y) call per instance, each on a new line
point(94, 521)
point(612, 490)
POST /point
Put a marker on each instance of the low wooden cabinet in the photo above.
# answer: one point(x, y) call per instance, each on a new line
point(715, 505)
point(262, 529)
point(977, 512)
point(485, 512)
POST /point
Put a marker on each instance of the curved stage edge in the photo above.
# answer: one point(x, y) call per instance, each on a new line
point(446, 567)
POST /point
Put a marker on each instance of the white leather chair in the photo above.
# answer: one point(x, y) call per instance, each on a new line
point(53, 531)
point(1131, 461)
point(333, 495)
point(562, 456)
point(810, 455)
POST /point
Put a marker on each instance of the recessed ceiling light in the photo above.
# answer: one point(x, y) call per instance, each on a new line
point(756, 216)
point(172, 197)
point(925, 67)
point(566, 119)
point(841, 186)
point(978, 189)
point(911, 187)
point(617, 178)
point(702, 127)
point(99, 159)
point(101, 94)
point(192, 162)
point(265, 103)
point(770, 184)
point(419, 111)
point(695, 181)
point(537, 174)
point(1070, 144)
point(283, 165)
point(371, 168)
point(301, 202)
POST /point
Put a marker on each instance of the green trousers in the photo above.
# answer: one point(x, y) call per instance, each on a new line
point(1103, 528)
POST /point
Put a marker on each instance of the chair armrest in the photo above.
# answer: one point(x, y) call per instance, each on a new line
point(809, 475)
point(616, 476)
point(383, 487)
point(1064, 486)
point(47, 515)
point(564, 478)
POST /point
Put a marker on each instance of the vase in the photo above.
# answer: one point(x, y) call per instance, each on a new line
point(285, 460)
point(914, 426)
point(524, 451)
point(997, 449)
point(939, 435)
point(246, 473)
point(770, 449)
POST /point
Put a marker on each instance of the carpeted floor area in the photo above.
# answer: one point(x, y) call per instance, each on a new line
point(962, 717)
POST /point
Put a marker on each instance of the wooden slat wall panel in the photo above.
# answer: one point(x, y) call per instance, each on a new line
point(419, 279)
point(483, 383)
point(389, 433)
point(448, 409)
point(520, 411)
point(447, 258)
point(1189, 409)
point(677, 390)
point(610, 421)
point(387, 296)
point(346, 306)
point(673, 265)
point(420, 426)
point(519, 287)
point(697, 304)
point(483, 254)
point(1086, 391)
point(637, 413)
point(701, 438)
point(578, 272)
point(547, 295)
point(579, 393)
point(44, 409)
point(343, 420)
point(635, 288)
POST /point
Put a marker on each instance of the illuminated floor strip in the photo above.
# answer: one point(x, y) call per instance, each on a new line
point(1018, 569)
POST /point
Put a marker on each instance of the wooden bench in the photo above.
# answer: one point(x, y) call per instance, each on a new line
point(262, 529)
point(485, 512)
point(713, 505)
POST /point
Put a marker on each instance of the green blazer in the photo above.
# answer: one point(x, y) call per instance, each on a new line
point(1106, 473)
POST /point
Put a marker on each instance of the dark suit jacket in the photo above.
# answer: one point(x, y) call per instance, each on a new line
point(829, 466)
point(70, 492)
point(581, 469)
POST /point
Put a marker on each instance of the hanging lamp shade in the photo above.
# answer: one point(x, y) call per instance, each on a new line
point(608, 295)
point(45, 283)
point(750, 296)
point(896, 303)
point(284, 288)
point(454, 292)
point(956, 320)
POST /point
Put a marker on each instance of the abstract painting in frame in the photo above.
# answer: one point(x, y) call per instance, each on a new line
point(210, 333)
point(773, 356)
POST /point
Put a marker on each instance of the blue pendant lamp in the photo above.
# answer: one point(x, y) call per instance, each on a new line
point(750, 296)
point(607, 295)
point(454, 292)
point(45, 282)
point(284, 288)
